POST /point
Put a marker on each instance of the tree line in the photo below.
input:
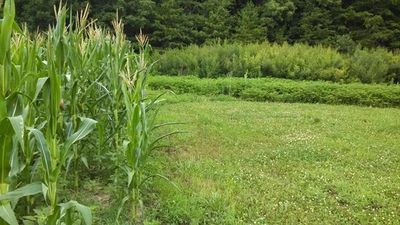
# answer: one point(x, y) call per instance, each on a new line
point(176, 23)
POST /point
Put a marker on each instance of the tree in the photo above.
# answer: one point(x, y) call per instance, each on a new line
point(138, 15)
point(36, 13)
point(177, 23)
point(103, 11)
point(169, 31)
point(373, 23)
point(276, 15)
point(219, 21)
point(249, 26)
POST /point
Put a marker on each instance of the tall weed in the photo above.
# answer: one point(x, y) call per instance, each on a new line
point(297, 61)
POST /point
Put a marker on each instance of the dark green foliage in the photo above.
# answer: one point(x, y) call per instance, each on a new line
point(318, 22)
point(176, 23)
point(279, 90)
point(276, 16)
point(137, 14)
point(36, 13)
point(219, 21)
point(373, 22)
point(249, 27)
point(39, 14)
point(298, 61)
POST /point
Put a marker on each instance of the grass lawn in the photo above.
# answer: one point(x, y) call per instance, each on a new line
point(274, 163)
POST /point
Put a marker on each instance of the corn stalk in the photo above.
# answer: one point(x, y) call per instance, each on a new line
point(25, 75)
point(140, 124)
point(13, 110)
point(56, 149)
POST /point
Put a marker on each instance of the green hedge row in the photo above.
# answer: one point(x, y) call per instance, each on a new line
point(282, 90)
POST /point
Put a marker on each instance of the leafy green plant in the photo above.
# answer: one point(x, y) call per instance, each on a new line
point(51, 84)
point(297, 62)
point(140, 123)
point(283, 90)
point(12, 128)
point(372, 66)
point(20, 88)
point(55, 150)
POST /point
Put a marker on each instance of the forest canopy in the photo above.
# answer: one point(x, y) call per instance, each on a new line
point(175, 23)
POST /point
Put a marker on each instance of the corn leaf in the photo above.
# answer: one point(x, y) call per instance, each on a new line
point(85, 162)
point(28, 190)
point(6, 128)
point(6, 28)
point(83, 210)
point(16, 166)
point(87, 125)
point(39, 86)
point(6, 133)
point(7, 214)
point(3, 106)
point(165, 124)
point(17, 124)
point(121, 207)
point(17, 28)
point(43, 148)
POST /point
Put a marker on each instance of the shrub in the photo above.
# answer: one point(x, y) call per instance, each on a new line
point(281, 90)
point(372, 66)
point(298, 62)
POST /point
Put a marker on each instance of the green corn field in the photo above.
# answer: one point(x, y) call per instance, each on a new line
point(73, 88)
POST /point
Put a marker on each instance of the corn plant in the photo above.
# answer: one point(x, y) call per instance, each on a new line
point(50, 84)
point(25, 75)
point(54, 153)
point(12, 128)
point(140, 117)
point(79, 61)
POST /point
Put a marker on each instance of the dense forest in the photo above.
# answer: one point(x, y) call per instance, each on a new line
point(174, 23)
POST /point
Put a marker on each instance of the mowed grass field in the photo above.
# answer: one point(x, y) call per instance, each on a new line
point(268, 163)
point(274, 163)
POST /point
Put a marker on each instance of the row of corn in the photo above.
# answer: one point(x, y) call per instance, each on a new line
point(73, 87)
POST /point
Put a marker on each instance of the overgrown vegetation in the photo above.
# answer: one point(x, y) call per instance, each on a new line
point(51, 85)
point(298, 61)
point(281, 90)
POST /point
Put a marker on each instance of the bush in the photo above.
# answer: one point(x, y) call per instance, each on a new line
point(281, 90)
point(373, 66)
point(298, 62)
